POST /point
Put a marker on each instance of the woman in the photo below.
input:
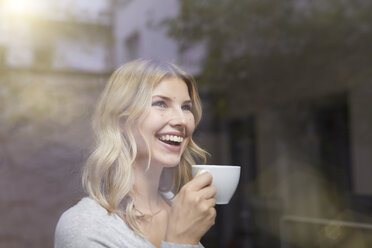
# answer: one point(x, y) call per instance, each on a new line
point(141, 193)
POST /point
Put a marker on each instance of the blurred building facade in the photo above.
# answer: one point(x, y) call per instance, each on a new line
point(54, 59)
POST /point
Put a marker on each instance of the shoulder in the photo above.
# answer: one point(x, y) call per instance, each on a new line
point(80, 214)
point(83, 210)
point(88, 224)
point(76, 225)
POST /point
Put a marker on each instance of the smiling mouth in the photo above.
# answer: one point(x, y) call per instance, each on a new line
point(173, 140)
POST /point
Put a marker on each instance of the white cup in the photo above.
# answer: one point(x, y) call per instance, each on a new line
point(225, 179)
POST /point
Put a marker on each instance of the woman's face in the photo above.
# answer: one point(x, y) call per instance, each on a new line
point(168, 125)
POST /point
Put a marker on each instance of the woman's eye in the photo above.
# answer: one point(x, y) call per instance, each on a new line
point(187, 107)
point(160, 104)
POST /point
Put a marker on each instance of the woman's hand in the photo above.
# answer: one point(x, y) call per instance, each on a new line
point(192, 212)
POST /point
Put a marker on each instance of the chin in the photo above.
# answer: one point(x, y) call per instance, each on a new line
point(170, 165)
point(169, 162)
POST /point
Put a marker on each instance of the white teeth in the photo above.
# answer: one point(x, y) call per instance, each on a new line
point(171, 138)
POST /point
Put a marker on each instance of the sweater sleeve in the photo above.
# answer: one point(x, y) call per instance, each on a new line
point(173, 245)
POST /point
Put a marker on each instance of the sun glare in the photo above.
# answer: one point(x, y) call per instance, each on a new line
point(23, 7)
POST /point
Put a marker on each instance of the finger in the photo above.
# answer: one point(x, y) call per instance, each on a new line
point(200, 181)
point(211, 202)
point(208, 192)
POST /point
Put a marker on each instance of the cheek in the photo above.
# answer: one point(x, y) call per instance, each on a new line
point(190, 124)
point(154, 119)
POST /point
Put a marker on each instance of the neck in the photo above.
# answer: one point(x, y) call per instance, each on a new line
point(147, 196)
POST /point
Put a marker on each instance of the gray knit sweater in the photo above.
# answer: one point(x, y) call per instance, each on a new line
point(87, 224)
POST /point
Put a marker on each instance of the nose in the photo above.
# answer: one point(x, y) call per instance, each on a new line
point(178, 118)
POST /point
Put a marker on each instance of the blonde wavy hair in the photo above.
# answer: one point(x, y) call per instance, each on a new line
point(108, 173)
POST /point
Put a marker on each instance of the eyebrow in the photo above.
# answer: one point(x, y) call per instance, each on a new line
point(169, 99)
